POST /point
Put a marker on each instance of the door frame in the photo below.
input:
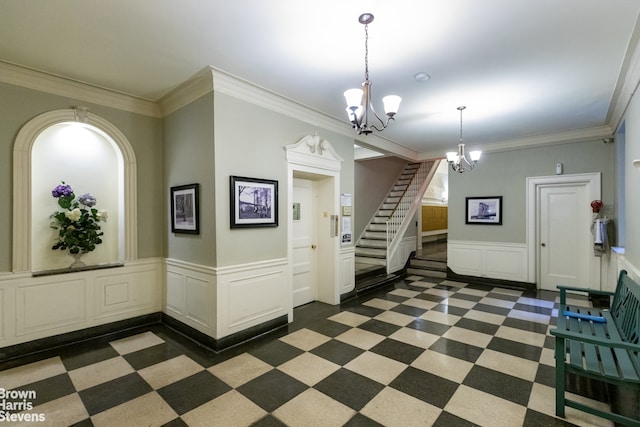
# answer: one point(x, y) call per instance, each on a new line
point(315, 158)
point(593, 183)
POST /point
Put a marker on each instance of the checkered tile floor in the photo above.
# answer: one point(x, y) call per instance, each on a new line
point(421, 354)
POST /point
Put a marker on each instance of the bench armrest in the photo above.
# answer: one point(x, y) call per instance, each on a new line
point(564, 289)
point(610, 343)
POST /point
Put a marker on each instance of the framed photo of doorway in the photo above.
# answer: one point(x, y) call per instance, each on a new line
point(483, 210)
point(253, 202)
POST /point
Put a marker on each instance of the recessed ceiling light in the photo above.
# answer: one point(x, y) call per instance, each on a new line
point(422, 76)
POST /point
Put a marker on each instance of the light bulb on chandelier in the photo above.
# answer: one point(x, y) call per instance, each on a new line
point(359, 106)
point(458, 160)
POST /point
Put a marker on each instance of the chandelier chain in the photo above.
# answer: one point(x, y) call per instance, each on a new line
point(366, 51)
point(461, 108)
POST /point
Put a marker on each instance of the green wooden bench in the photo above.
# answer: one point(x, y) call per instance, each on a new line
point(601, 344)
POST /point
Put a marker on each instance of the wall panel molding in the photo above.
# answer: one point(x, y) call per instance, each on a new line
point(32, 308)
point(252, 294)
point(347, 269)
point(495, 260)
point(402, 254)
point(190, 295)
point(223, 301)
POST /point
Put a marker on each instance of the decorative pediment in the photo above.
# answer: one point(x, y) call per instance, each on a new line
point(314, 151)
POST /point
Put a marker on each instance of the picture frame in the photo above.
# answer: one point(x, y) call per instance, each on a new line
point(483, 210)
point(253, 202)
point(185, 209)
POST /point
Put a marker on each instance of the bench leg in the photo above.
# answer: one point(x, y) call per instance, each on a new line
point(560, 356)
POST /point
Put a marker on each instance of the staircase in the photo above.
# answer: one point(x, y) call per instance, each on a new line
point(425, 267)
point(377, 246)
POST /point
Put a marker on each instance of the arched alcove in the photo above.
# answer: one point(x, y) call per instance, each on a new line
point(79, 142)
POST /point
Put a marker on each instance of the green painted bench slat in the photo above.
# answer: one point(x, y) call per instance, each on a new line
point(609, 351)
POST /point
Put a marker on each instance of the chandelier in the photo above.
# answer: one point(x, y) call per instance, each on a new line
point(359, 106)
point(458, 160)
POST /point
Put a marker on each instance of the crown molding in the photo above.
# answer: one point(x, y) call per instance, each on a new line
point(628, 80)
point(567, 137)
point(211, 78)
point(49, 83)
point(203, 82)
point(193, 88)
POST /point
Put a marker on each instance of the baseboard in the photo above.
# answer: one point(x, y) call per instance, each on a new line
point(224, 343)
point(114, 330)
point(56, 341)
point(491, 282)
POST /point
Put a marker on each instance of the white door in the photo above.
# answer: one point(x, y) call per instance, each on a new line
point(304, 241)
point(564, 239)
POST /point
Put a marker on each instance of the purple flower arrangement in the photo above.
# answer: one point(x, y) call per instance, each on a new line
point(78, 222)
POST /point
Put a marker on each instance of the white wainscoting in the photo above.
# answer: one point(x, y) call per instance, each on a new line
point(622, 263)
point(191, 295)
point(507, 261)
point(222, 301)
point(43, 306)
point(252, 294)
point(402, 254)
point(347, 269)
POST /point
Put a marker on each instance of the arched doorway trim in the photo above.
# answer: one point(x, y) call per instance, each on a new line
point(22, 151)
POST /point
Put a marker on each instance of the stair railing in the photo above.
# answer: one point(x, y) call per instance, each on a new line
point(406, 207)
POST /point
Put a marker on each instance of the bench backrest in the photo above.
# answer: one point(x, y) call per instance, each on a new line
point(625, 308)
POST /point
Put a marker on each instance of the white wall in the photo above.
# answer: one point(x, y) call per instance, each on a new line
point(632, 183)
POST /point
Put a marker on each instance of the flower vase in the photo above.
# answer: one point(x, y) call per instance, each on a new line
point(77, 263)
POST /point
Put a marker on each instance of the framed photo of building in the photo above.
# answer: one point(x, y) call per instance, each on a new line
point(254, 202)
point(185, 209)
point(484, 210)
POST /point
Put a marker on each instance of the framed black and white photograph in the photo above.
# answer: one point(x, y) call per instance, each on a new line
point(185, 209)
point(484, 210)
point(254, 202)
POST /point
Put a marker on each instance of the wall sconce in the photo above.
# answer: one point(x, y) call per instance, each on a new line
point(636, 163)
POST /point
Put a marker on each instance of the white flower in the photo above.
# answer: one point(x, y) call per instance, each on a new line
point(102, 215)
point(73, 215)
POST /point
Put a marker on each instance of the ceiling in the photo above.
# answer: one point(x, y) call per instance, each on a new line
point(523, 68)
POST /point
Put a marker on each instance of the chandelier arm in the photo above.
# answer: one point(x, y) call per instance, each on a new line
point(354, 121)
point(382, 122)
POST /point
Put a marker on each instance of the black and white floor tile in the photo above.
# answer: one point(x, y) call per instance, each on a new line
point(426, 352)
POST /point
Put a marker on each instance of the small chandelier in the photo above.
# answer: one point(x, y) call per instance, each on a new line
point(458, 160)
point(359, 106)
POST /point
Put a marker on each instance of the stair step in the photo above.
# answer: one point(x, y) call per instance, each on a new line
point(429, 265)
point(389, 206)
point(379, 219)
point(375, 282)
point(372, 243)
point(377, 227)
point(384, 212)
point(375, 235)
point(427, 273)
point(371, 252)
point(392, 200)
point(371, 260)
